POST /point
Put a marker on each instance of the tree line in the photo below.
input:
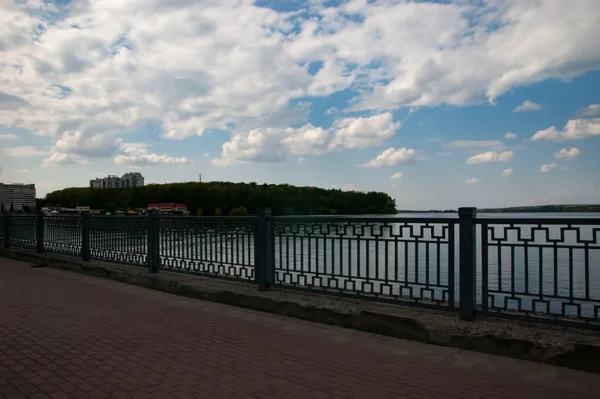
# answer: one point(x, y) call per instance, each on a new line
point(224, 198)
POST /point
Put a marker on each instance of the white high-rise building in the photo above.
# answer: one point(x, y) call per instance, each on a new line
point(17, 195)
point(131, 179)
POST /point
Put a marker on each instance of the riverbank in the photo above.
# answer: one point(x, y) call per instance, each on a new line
point(563, 346)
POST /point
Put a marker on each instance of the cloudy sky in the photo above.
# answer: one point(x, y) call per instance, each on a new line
point(440, 104)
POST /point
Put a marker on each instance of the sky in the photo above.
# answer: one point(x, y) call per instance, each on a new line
point(440, 104)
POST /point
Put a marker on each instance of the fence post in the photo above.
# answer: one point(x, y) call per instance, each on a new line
point(85, 235)
point(153, 243)
point(263, 250)
point(39, 232)
point(6, 230)
point(467, 256)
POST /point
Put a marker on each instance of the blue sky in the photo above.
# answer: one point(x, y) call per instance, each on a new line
point(439, 104)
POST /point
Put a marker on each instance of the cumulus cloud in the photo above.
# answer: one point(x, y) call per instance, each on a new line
point(508, 172)
point(392, 157)
point(363, 132)
point(396, 176)
point(473, 180)
point(528, 106)
point(475, 144)
point(490, 156)
point(138, 154)
point(548, 167)
point(275, 144)
point(568, 154)
point(24, 152)
point(510, 136)
point(73, 71)
point(592, 111)
point(587, 124)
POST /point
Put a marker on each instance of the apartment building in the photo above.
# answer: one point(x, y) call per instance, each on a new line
point(131, 179)
point(18, 195)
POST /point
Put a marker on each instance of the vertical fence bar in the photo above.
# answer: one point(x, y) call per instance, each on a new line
point(153, 242)
point(85, 235)
point(39, 232)
point(264, 250)
point(467, 254)
point(6, 230)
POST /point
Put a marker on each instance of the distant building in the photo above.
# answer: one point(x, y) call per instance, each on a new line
point(131, 179)
point(167, 208)
point(19, 195)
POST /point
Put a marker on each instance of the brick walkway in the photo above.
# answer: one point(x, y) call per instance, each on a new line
point(67, 335)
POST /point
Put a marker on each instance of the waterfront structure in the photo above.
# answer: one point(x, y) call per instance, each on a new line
point(131, 179)
point(167, 208)
point(20, 196)
point(472, 265)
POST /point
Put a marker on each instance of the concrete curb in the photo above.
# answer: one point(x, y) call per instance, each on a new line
point(562, 346)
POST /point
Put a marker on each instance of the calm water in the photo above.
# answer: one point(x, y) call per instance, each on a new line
point(529, 268)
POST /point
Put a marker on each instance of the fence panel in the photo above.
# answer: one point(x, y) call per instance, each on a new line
point(216, 246)
point(22, 231)
point(410, 260)
point(62, 234)
point(541, 269)
point(119, 239)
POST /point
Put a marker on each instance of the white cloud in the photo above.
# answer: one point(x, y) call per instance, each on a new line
point(508, 172)
point(22, 171)
point(86, 69)
point(528, 106)
point(575, 129)
point(490, 156)
point(396, 176)
point(568, 154)
point(510, 136)
point(475, 144)
point(138, 154)
point(301, 159)
point(445, 153)
point(8, 136)
point(24, 152)
point(392, 157)
point(473, 180)
point(592, 111)
point(275, 144)
point(363, 132)
point(548, 167)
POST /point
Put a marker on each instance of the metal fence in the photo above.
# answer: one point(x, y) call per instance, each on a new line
point(537, 270)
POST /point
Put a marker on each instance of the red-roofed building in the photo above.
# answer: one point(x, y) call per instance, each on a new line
point(167, 207)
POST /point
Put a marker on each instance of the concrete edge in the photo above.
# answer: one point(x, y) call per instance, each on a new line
point(580, 356)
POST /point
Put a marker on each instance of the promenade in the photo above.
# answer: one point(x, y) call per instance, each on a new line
point(65, 335)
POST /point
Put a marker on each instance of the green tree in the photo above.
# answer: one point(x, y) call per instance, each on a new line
point(110, 207)
point(283, 199)
point(199, 212)
point(239, 211)
point(217, 211)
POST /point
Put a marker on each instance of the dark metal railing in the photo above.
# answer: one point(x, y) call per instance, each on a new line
point(387, 258)
point(538, 270)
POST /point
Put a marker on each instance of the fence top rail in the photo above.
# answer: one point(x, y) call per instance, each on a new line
point(210, 218)
point(535, 221)
point(364, 219)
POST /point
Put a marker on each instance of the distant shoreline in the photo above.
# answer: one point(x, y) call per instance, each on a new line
point(520, 209)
